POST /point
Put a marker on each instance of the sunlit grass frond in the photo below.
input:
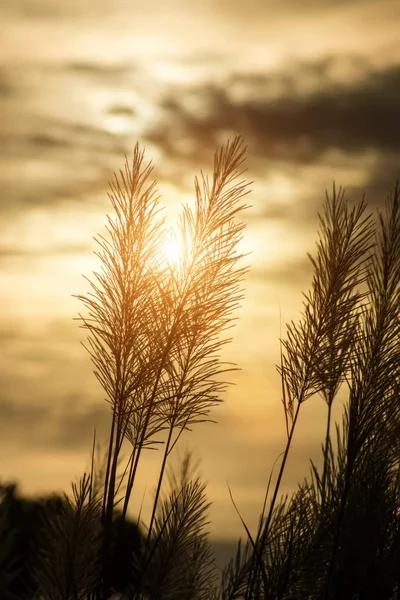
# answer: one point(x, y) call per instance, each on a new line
point(155, 325)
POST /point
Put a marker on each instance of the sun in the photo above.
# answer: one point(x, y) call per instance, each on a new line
point(172, 250)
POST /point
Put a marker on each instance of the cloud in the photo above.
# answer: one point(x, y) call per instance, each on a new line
point(68, 426)
point(112, 72)
point(56, 148)
point(280, 120)
point(50, 160)
point(294, 116)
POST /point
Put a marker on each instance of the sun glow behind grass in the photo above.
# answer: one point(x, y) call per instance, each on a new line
point(173, 250)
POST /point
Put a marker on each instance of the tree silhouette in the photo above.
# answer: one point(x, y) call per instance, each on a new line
point(34, 528)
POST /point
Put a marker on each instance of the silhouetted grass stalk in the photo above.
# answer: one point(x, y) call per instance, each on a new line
point(376, 369)
point(317, 350)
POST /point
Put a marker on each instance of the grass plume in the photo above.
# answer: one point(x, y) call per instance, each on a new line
point(154, 329)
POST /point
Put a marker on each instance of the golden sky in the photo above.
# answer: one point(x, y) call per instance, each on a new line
point(312, 86)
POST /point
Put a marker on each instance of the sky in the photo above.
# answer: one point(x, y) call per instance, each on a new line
point(314, 89)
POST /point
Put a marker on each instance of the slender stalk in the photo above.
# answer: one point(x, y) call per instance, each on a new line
point(160, 478)
point(342, 507)
point(108, 467)
point(326, 450)
point(129, 484)
point(110, 492)
point(92, 468)
point(264, 536)
point(280, 475)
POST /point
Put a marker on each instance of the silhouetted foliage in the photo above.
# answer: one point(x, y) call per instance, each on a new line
point(155, 334)
point(338, 536)
point(35, 528)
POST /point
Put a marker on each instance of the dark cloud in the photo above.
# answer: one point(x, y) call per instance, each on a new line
point(68, 425)
point(280, 121)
